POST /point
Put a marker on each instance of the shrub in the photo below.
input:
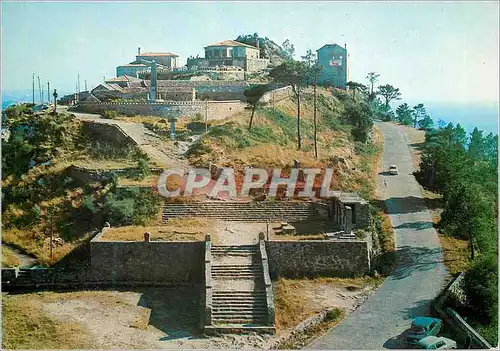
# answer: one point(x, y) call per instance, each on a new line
point(110, 114)
point(144, 170)
point(333, 314)
point(480, 285)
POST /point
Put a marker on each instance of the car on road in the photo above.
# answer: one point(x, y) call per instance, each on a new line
point(422, 327)
point(436, 343)
point(393, 169)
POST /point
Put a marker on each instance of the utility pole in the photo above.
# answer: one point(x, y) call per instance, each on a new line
point(315, 126)
point(78, 75)
point(48, 92)
point(39, 89)
point(33, 88)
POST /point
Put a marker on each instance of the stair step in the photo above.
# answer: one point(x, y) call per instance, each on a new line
point(238, 299)
point(262, 309)
point(239, 293)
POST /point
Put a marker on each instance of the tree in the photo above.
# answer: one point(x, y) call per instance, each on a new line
point(372, 78)
point(360, 115)
point(289, 49)
point(404, 114)
point(426, 123)
point(309, 58)
point(381, 111)
point(419, 113)
point(354, 87)
point(389, 93)
point(491, 150)
point(253, 96)
point(476, 145)
point(315, 70)
point(295, 74)
point(480, 285)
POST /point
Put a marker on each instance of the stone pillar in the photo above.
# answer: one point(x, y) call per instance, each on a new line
point(153, 86)
point(348, 220)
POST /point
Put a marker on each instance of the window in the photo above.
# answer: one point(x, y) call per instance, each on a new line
point(439, 344)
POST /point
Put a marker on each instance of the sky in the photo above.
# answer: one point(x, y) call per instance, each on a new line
point(434, 52)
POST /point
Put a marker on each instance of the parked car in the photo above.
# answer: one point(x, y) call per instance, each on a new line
point(422, 327)
point(436, 343)
point(393, 169)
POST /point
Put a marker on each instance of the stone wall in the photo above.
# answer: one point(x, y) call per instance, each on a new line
point(465, 334)
point(256, 64)
point(276, 94)
point(104, 131)
point(318, 258)
point(148, 261)
point(216, 109)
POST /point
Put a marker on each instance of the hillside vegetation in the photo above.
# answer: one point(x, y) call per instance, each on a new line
point(39, 196)
point(271, 142)
point(465, 171)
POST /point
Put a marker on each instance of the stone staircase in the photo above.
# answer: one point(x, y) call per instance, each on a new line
point(259, 211)
point(239, 299)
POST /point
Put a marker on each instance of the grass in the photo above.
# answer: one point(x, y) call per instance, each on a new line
point(456, 254)
point(293, 303)
point(176, 229)
point(26, 326)
point(34, 242)
point(456, 251)
point(9, 259)
point(301, 339)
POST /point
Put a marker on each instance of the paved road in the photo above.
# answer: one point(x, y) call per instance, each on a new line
point(420, 273)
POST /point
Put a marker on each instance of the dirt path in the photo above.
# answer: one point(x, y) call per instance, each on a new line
point(168, 154)
point(420, 274)
point(26, 260)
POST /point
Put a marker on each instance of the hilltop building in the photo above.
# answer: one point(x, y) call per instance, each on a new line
point(166, 61)
point(333, 59)
point(230, 53)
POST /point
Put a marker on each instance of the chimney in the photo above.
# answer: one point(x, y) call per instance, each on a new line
point(345, 46)
point(138, 50)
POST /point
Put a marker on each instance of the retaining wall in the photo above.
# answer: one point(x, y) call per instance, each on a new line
point(313, 258)
point(148, 261)
point(215, 109)
point(467, 335)
point(106, 132)
point(276, 94)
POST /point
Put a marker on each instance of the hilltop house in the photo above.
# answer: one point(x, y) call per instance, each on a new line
point(165, 61)
point(230, 53)
point(333, 59)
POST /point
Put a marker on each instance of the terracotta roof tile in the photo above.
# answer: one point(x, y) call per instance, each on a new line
point(231, 43)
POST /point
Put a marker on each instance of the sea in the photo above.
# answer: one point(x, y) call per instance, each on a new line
point(484, 116)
